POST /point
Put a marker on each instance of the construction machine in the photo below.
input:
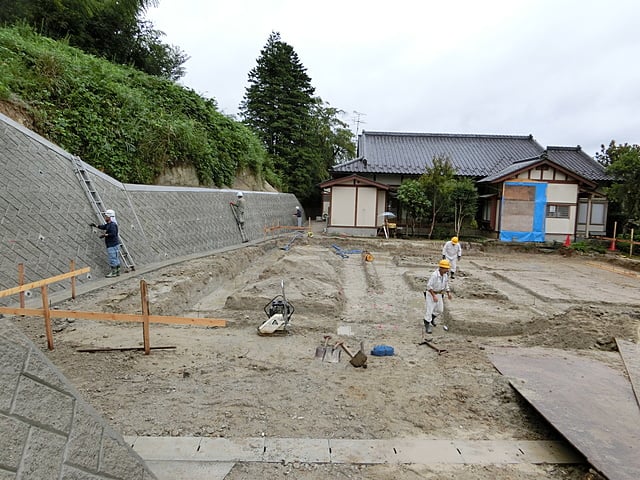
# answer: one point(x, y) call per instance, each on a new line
point(279, 312)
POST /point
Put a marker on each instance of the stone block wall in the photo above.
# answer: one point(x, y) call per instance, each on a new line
point(45, 215)
point(46, 430)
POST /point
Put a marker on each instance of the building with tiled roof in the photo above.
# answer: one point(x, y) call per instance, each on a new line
point(563, 184)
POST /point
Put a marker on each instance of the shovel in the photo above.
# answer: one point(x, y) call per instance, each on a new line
point(321, 350)
point(332, 354)
point(357, 360)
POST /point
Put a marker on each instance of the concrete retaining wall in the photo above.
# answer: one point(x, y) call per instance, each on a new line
point(45, 214)
point(46, 430)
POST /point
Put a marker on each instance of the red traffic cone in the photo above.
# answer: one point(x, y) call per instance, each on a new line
point(567, 241)
point(612, 246)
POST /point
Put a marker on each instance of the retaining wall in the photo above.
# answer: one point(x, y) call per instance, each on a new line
point(45, 214)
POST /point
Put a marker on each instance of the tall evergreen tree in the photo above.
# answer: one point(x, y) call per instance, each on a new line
point(278, 104)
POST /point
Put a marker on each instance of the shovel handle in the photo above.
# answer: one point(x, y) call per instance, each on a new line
point(344, 347)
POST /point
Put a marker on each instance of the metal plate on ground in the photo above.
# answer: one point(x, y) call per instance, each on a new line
point(590, 404)
point(630, 353)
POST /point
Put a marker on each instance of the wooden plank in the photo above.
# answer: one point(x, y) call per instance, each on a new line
point(46, 281)
point(630, 353)
point(116, 317)
point(590, 404)
point(120, 349)
point(619, 271)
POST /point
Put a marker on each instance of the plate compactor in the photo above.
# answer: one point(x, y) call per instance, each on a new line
point(279, 312)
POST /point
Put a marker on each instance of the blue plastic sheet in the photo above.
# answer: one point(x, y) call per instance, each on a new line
point(537, 232)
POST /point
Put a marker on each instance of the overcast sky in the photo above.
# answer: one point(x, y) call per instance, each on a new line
point(565, 71)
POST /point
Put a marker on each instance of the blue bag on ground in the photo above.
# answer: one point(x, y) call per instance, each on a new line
point(382, 351)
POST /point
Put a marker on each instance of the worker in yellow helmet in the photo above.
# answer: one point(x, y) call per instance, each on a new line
point(452, 252)
point(437, 287)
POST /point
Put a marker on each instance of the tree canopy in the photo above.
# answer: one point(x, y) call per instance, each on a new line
point(622, 162)
point(111, 29)
point(303, 136)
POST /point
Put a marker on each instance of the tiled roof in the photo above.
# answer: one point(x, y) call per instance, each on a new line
point(470, 155)
point(575, 160)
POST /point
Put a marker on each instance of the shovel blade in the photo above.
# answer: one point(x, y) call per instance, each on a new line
point(332, 355)
point(359, 359)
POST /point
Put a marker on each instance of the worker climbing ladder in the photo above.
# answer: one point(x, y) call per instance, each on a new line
point(239, 223)
point(98, 206)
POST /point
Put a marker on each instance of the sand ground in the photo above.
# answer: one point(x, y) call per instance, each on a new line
point(231, 382)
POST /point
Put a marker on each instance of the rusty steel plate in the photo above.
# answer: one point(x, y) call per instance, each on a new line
point(590, 404)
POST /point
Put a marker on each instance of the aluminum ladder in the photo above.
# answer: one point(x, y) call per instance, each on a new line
point(98, 206)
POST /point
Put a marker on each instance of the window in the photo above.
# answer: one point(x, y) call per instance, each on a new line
point(557, 211)
point(597, 214)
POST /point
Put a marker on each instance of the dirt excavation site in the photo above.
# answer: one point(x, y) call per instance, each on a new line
point(231, 382)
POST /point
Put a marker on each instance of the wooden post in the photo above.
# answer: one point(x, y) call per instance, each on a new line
point(72, 267)
point(631, 245)
point(21, 282)
point(47, 317)
point(145, 316)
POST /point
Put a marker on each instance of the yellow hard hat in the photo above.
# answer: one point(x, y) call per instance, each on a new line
point(444, 264)
point(454, 240)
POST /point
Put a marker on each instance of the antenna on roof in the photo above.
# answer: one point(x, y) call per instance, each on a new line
point(358, 121)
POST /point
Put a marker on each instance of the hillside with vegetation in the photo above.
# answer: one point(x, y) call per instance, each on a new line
point(133, 126)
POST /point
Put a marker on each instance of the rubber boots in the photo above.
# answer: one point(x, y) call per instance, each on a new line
point(118, 271)
point(113, 272)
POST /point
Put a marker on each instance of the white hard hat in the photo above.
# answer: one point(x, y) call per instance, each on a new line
point(297, 207)
point(109, 213)
point(239, 194)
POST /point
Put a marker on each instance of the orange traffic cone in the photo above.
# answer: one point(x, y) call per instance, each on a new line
point(567, 241)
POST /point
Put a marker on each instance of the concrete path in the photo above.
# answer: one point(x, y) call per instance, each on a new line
point(212, 458)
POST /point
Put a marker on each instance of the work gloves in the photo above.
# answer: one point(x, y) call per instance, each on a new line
point(103, 236)
point(93, 225)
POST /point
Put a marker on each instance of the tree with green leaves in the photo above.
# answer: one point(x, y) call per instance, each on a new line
point(414, 201)
point(278, 104)
point(303, 136)
point(111, 29)
point(622, 162)
point(438, 182)
point(465, 201)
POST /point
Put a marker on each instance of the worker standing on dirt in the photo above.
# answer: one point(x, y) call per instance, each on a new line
point(452, 252)
point(112, 240)
point(239, 205)
point(437, 286)
point(298, 214)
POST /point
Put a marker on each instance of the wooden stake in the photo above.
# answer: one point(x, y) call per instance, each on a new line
point(21, 282)
point(72, 267)
point(47, 317)
point(631, 245)
point(145, 316)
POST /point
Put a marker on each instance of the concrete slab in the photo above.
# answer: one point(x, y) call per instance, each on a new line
point(307, 450)
point(425, 451)
point(193, 470)
point(166, 448)
point(231, 449)
point(541, 451)
point(360, 451)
